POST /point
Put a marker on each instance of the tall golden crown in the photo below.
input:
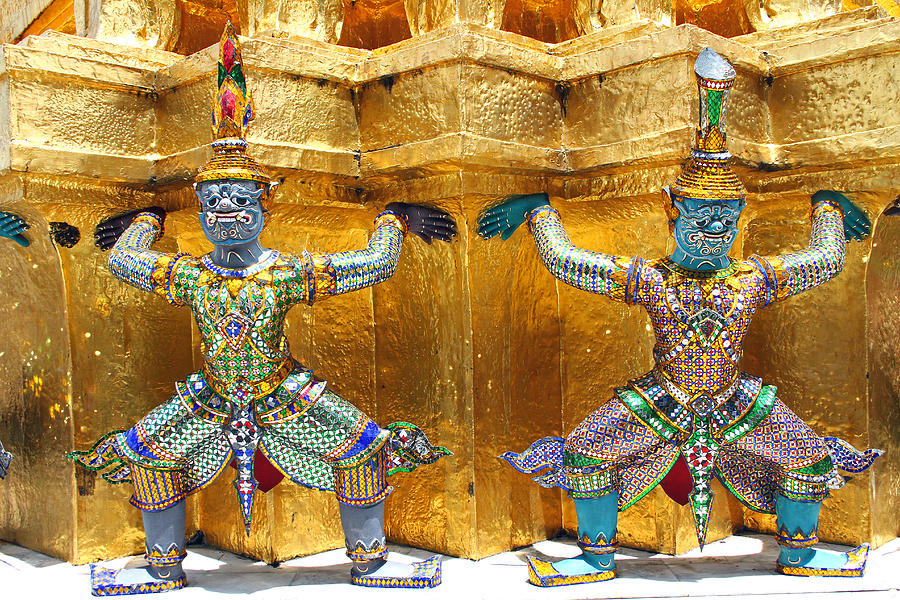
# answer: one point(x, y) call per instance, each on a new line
point(707, 175)
point(232, 112)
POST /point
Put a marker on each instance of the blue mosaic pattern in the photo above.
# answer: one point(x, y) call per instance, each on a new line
point(376, 263)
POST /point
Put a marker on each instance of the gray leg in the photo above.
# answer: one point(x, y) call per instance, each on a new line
point(366, 547)
point(164, 533)
point(364, 536)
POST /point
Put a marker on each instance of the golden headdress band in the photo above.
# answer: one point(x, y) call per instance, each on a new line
point(707, 175)
point(232, 112)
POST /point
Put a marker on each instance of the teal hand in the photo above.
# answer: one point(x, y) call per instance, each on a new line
point(506, 217)
point(856, 224)
point(13, 227)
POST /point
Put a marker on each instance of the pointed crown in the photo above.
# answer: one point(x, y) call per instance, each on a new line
point(707, 175)
point(231, 114)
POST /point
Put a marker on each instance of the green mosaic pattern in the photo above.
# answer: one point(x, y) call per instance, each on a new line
point(171, 430)
point(647, 414)
point(714, 107)
point(760, 410)
point(299, 447)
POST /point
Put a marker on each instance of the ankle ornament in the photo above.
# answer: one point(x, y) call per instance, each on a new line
point(163, 563)
point(598, 546)
point(796, 540)
point(361, 553)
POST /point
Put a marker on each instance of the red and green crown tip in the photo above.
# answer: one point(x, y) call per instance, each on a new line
point(230, 64)
point(234, 106)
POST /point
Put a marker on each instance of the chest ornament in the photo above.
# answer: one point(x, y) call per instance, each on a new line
point(234, 328)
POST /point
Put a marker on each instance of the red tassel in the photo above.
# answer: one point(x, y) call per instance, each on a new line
point(267, 476)
point(678, 483)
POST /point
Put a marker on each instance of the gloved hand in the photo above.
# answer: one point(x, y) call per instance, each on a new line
point(507, 216)
point(64, 234)
point(110, 230)
point(426, 222)
point(13, 227)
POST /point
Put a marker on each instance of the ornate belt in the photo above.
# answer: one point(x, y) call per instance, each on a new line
point(252, 389)
point(701, 403)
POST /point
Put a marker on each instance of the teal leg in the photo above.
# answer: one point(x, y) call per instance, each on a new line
point(597, 519)
point(797, 524)
point(597, 538)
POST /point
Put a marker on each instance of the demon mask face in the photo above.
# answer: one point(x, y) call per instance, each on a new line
point(705, 231)
point(231, 211)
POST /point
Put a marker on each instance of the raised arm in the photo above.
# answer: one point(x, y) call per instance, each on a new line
point(132, 261)
point(616, 277)
point(356, 269)
point(321, 275)
point(835, 220)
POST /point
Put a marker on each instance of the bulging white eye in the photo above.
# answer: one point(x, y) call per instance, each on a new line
point(240, 200)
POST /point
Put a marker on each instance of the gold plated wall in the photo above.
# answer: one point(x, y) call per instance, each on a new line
point(473, 340)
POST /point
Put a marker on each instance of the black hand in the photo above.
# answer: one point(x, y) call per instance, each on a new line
point(426, 222)
point(64, 234)
point(110, 230)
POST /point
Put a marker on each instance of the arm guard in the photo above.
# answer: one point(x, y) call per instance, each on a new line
point(132, 261)
point(357, 269)
point(615, 277)
point(790, 274)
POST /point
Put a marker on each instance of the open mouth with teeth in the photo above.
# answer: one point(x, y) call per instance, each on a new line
point(227, 218)
point(715, 236)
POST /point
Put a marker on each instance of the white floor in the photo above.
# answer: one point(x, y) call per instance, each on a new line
point(740, 566)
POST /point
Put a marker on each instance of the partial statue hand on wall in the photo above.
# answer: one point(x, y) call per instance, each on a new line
point(768, 14)
point(320, 20)
point(426, 15)
point(139, 23)
point(591, 15)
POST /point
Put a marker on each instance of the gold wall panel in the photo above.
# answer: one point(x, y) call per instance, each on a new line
point(666, 86)
point(320, 20)
point(809, 347)
point(114, 329)
point(409, 108)
point(825, 101)
point(200, 22)
point(504, 106)
point(882, 297)
point(517, 394)
point(58, 15)
point(305, 112)
point(35, 387)
point(18, 15)
point(103, 121)
point(423, 16)
point(140, 23)
point(724, 17)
